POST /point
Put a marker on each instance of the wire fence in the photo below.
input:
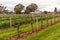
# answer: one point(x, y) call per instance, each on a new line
point(22, 24)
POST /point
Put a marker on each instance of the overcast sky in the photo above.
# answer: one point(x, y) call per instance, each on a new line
point(42, 4)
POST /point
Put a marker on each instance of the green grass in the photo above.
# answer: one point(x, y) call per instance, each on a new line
point(7, 33)
point(51, 33)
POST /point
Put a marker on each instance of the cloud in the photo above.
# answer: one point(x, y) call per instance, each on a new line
point(42, 4)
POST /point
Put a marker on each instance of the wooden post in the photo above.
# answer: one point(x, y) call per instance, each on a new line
point(18, 31)
point(41, 20)
point(59, 17)
point(45, 12)
point(54, 18)
point(10, 26)
point(55, 10)
point(32, 22)
point(10, 22)
point(47, 19)
point(51, 20)
point(37, 23)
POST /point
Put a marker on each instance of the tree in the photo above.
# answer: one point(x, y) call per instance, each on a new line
point(2, 8)
point(31, 8)
point(55, 10)
point(18, 8)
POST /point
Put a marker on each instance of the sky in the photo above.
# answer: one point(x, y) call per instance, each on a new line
point(47, 5)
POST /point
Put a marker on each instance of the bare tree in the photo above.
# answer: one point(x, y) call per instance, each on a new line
point(2, 8)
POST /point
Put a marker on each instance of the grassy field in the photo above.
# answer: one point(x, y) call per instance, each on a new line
point(51, 33)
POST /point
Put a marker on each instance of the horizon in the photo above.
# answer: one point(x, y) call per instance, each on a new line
point(47, 5)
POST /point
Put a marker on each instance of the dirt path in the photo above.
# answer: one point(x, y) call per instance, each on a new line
point(26, 34)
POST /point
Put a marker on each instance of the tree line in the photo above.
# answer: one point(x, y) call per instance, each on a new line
point(30, 8)
point(19, 7)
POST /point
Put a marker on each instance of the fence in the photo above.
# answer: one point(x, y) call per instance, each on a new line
point(17, 24)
